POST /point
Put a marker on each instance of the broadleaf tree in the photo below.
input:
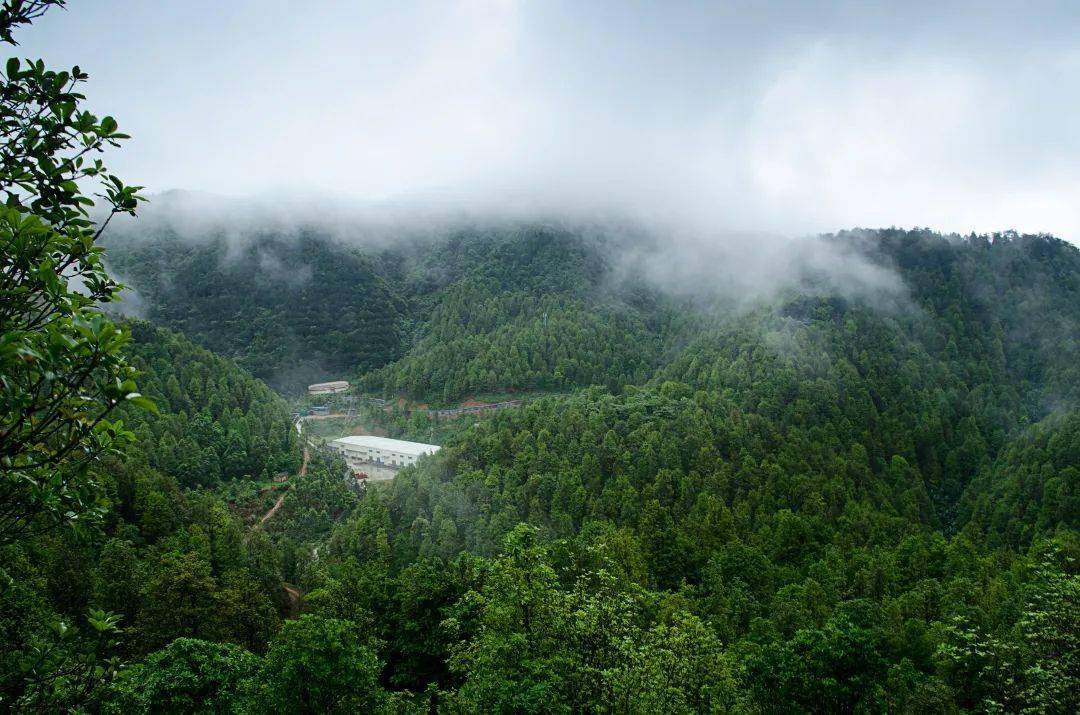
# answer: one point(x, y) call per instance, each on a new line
point(62, 372)
point(61, 368)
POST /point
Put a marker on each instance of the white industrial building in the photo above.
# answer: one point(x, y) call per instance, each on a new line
point(383, 451)
point(326, 388)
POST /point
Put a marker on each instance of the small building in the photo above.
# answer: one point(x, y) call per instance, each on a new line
point(328, 388)
point(382, 451)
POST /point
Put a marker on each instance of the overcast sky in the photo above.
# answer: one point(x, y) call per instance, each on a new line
point(787, 116)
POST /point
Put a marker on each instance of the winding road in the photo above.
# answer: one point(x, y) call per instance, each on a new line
point(281, 499)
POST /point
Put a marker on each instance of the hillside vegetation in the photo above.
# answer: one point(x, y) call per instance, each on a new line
point(520, 309)
point(291, 312)
point(818, 503)
point(822, 501)
point(171, 559)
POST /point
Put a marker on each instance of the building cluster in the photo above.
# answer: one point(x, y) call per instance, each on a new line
point(362, 451)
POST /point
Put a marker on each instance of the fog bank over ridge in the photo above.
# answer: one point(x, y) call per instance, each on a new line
point(681, 258)
point(786, 117)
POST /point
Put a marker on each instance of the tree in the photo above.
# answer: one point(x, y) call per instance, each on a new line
point(1034, 669)
point(511, 665)
point(1050, 629)
point(317, 665)
point(246, 613)
point(116, 582)
point(679, 667)
point(837, 668)
point(61, 665)
point(187, 676)
point(178, 600)
point(61, 367)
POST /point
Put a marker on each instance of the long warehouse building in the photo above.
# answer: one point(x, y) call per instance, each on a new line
point(380, 450)
point(328, 388)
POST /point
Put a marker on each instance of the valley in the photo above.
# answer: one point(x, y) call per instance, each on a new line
point(781, 475)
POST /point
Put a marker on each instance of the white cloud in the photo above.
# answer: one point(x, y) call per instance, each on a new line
point(785, 117)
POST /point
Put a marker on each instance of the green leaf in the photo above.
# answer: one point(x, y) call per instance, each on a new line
point(142, 402)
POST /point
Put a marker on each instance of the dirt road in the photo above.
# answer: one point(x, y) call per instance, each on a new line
point(281, 499)
point(293, 596)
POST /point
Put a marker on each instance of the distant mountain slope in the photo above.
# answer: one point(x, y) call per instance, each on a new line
point(291, 311)
point(830, 409)
point(516, 308)
point(918, 411)
point(214, 421)
point(873, 502)
point(1009, 303)
point(543, 307)
point(526, 309)
point(1031, 491)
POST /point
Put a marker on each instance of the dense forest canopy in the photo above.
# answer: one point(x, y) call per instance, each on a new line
point(534, 307)
point(846, 502)
point(470, 310)
point(159, 541)
point(291, 311)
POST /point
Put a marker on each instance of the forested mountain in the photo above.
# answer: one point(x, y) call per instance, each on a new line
point(823, 503)
point(476, 341)
point(540, 307)
point(519, 308)
point(291, 311)
point(821, 500)
point(168, 560)
point(214, 422)
point(1007, 302)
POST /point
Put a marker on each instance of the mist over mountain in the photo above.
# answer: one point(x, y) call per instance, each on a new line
point(303, 295)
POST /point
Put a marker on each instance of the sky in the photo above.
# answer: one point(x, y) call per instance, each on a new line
point(789, 117)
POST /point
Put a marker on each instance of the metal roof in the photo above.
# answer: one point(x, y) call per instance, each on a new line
point(391, 445)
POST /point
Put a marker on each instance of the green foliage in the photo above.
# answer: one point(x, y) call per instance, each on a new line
point(61, 664)
point(290, 310)
point(215, 423)
point(516, 308)
point(173, 563)
point(822, 504)
point(314, 503)
point(520, 308)
point(539, 638)
point(839, 668)
point(1031, 490)
point(675, 667)
point(318, 665)
point(818, 504)
point(476, 342)
point(61, 367)
point(1035, 666)
point(187, 676)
